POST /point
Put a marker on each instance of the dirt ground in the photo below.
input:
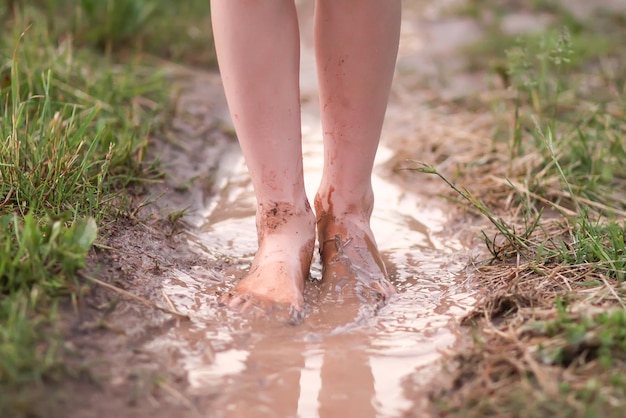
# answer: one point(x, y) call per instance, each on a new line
point(139, 361)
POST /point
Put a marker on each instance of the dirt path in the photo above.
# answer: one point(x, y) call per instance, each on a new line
point(218, 364)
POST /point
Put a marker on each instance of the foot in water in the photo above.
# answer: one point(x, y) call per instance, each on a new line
point(352, 267)
point(286, 237)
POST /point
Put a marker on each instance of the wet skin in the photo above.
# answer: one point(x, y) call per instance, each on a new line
point(259, 59)
point(351, 263)
point(286, 237)
point(352, 268)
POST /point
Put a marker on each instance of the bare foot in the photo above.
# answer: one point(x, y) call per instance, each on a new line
point(351, 263)
point(286, 241)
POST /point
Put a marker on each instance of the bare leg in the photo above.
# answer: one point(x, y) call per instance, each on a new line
point(356, 48)
point(257, 44)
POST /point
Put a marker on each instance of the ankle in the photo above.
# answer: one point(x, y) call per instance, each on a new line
point(344, 203)
point(283, 217)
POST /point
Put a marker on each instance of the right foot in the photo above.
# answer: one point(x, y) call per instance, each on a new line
point(282, 262)
point(351, 263)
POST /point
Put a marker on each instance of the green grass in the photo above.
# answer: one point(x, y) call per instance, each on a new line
point(38, 261)
point(575, 126)
point(560, 147)
point(80, 94)
point(178, 31)
point(580, 138)
point(72, 138)
point(569, 98)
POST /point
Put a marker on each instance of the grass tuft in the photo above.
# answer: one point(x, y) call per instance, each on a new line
point(75, 124)
point(548, 330)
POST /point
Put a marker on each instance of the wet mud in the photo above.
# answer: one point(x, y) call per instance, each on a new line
point(342, 357)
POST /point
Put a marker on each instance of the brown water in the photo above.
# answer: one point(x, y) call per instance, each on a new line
point(342, 359)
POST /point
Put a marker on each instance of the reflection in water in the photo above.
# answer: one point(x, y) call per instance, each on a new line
point(342, 360)
point(347, 380)
point(275, 388)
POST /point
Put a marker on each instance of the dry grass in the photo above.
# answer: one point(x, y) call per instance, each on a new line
point(544, 169)
point(546, 342)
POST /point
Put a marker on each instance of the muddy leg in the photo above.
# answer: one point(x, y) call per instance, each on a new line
point(356, 48)
point(257, 45)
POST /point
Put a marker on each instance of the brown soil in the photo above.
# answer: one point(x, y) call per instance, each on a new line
point(138, 361)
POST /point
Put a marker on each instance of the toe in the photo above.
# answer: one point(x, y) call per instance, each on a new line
point(247, 306)
point(377, 286)
point(389, 289)
point(296, 316)
point(298, 304)
point(237, 301)
point(384, 288)
point(225, 299)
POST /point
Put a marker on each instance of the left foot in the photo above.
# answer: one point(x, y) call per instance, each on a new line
point(351, 263)
point(281, 264)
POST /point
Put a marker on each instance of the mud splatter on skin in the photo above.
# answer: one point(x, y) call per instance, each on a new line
point(273, 214)
point(286, 240)
point(351, 263)
point(330, 363)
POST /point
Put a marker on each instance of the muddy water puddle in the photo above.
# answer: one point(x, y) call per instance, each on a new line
point(342, 359)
